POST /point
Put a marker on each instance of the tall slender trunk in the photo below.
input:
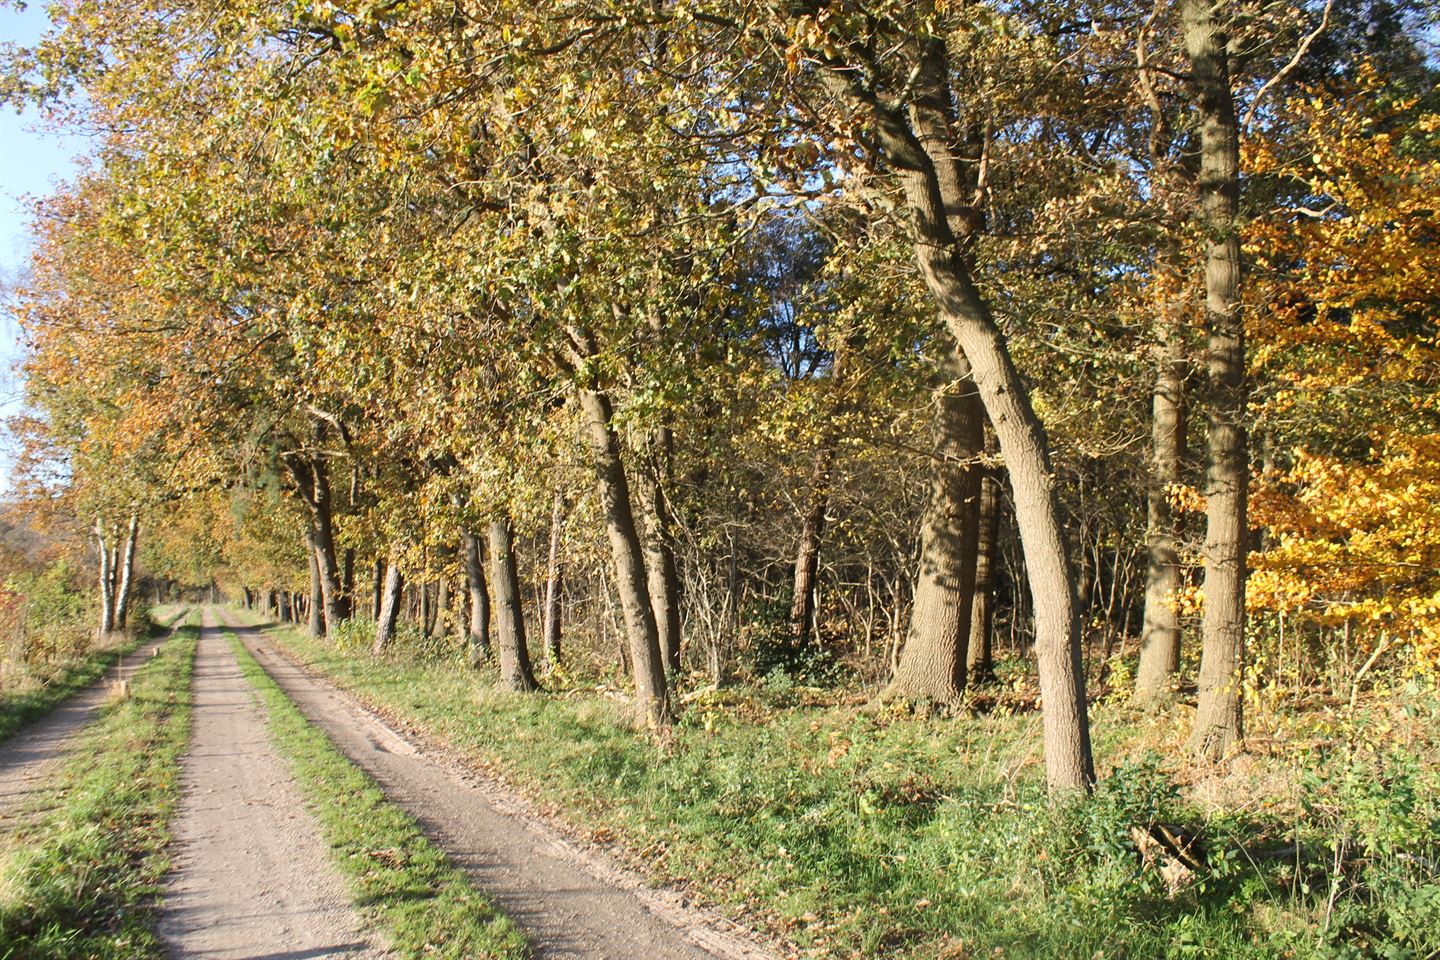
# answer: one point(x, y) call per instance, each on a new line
point(1219, 721)
point(933, 662)
point(377, 582)
point(427, 614)
point(107, 592)
point(807, 551)
point(442, 605)
point(1160, 636)
point(316, 625)
point(928, 167)
point(391, 597)
point(127, 573)
point(651, 696)
point(662, 577)
point(478, 650)
point(515, 670)
point(553, 574)
point(980, 650)
point(312, 481)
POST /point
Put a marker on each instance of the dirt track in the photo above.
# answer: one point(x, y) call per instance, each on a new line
point(28, 758)
point(252, 878)
point(571, 903)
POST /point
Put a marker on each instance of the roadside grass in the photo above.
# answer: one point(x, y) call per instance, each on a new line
point(80, 882)
point(43, 693)
point(872, 833)
point(404, 885)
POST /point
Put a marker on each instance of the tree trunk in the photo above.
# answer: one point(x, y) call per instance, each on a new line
point(391, 597)
point(1219, 720)
point(107, 592)
point(933, 662)
point(312, 481)
point(651, 696)
point(316, 608)
point(807, 551)
point(1160, 637)
point(377, 586)
point(553, 584)
point(928, 168)
point(426, 617)
point(442, 606)
point(515, 671)
point(980, 650)
point(127, 574)
point(662, 578)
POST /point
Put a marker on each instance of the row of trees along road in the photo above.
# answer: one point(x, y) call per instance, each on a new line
point(891, 327)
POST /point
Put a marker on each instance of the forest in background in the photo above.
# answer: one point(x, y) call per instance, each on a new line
point(937, 362)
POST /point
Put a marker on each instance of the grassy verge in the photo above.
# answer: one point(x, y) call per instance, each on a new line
point(81, 881)
point(405, 886)
point(17, 708)
point(858, 833)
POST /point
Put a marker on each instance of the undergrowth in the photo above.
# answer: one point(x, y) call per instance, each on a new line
point(871, 833)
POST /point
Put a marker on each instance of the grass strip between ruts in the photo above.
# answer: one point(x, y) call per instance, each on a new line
point(405, 886)
point(81, 882)
point(19, 709)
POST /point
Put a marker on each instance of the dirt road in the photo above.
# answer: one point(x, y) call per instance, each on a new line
point(251, 877)
point(572, 904)
point(28, 758)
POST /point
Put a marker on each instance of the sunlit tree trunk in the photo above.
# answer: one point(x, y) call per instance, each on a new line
point(515, 670)
point(478, 649)
point(933, 662)
point(127, 574)
point(391, 597)
point(553, 582)
point(980, 650)
point(1219, 722)
point(806, 576)
point(107, 588)
point(316, 606)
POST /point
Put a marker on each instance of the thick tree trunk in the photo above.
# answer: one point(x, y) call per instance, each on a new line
point(651, 696)
point(391, 597)
point(515, 670)
point(127, 574)
point(316, 610)
point(1160, 637)
point(442, 606)
point(1219, 721)
point(980, 649)
point(929, 169)
point(807, 551)
point(312, 480)
point(662, 577)
point(478, 650)
point(553, 581)
point(107, 581)
point(933, 662)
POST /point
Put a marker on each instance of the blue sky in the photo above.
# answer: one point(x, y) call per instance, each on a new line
point(32, 161)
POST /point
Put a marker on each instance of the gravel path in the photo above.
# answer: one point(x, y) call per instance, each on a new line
point(251, 878)
point(29, 757)
point(570, 902)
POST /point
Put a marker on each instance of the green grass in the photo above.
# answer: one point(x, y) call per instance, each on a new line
point(402, 884)
point(17, 708)
point(80, 881)
point(866, 833)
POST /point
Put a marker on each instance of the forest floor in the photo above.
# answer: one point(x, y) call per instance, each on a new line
point(570, 901)
point(250, 869)
point(29, 758)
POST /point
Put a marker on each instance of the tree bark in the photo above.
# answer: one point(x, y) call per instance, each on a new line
point(127, 574)
point(1160, 636)
point(442, 606)
point(312, 480)
point(980, 649)
point(478, 650)
point(807, 551)
point(391, 597)
point(933, 662)
point(651, 696)
point(1219, 721)
point(515, 670)
point(553, 574)
point(929, 172)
